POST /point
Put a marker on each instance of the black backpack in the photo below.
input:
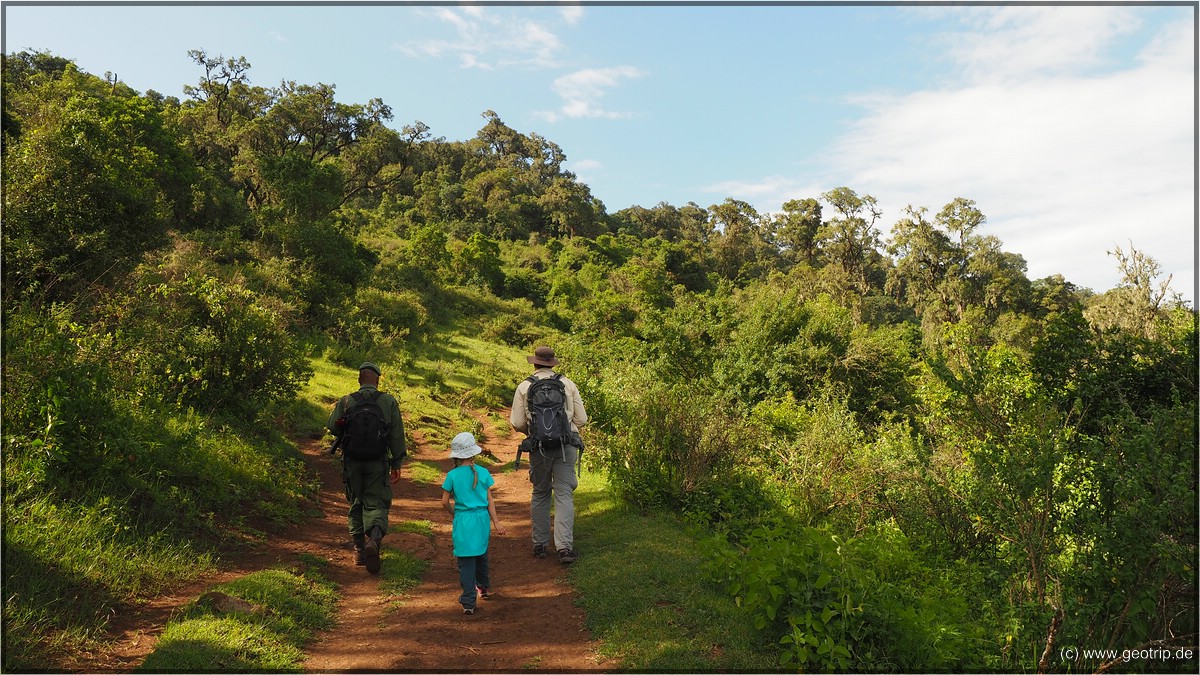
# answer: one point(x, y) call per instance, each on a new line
point(366, 434)
point(549, 426)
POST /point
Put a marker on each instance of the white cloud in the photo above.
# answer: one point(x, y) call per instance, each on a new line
point(1067, 157)
point(572, 14)
point(585, 169)
point(1014, 42)
point(487, 40)
point(586, 165)
point(582, 90)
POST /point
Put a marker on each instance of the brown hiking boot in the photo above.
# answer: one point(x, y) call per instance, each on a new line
point(371, 550)
point(360, 553)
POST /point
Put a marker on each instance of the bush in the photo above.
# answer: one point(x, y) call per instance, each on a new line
point(866, 604)
point(109, 494)
point(397, 314)
point(58, 410)
point(671, 442)
point(210, 344)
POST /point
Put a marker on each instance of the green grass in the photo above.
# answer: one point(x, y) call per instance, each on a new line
point(273, 614)
point(426, 474)
point(640, 583)
point(75, 555)
point(424, 527)
point(400, 571)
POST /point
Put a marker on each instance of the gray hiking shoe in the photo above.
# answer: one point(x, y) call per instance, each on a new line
point(567, 556)
point(539, 550)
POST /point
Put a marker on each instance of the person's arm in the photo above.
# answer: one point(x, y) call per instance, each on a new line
point(517, 418)
point(338, 412)
point(396, 441)
point(579, 416)
point(446, 501)
point(492, 513)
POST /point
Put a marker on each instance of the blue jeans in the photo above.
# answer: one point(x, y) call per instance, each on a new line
point(472, 572)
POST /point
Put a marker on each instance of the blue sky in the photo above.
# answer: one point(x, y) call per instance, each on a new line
point(1072, 127)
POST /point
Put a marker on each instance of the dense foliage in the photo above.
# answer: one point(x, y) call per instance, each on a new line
point(910, 455)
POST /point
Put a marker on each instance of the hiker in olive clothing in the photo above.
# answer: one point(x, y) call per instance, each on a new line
point(370, 433)
point(553, 444)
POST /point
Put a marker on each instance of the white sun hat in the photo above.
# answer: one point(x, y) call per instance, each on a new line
point(464, 447)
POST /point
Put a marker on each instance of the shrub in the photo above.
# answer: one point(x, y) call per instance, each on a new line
point(397, 313)
point(670, 443)
point(210, 344)
point(866, 604)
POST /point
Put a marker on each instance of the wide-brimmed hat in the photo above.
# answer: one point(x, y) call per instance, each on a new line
point(372, 367)
point(543, 356)
point(464, 447)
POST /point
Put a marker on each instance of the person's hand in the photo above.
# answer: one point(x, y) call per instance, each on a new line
point(500, 530)
point(395, 475)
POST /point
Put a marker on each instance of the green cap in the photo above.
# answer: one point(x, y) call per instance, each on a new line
point(371, 366)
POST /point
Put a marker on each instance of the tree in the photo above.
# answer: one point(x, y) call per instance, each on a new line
point(479, 260)
point(93, 181)
point(850, 236)
point(739, 250)
point(1138, 301)
point(797, 229)
point(926, 268)
point(695, 223)
point(568, 206)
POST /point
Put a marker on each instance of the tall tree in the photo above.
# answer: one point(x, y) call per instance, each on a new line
point(850, 237)
point(1139, 300)
point(739, 249)
point(797, 228)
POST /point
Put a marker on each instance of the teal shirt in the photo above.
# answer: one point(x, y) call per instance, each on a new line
point(472, 523)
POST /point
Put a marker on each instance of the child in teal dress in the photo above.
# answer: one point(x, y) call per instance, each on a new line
point(470, 487)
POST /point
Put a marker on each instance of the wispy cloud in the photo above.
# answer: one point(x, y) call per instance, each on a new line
point(1013, 43)
point(1068, 152)
point(583, 90)
point(586, 165)
point(585, 169)
point(572, 14)
point(487, 40)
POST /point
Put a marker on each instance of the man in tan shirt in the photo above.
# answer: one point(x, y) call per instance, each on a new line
point(551, 468)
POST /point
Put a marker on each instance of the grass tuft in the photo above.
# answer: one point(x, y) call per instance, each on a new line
point(425, 474)
point(400, 572)
point(259, 622)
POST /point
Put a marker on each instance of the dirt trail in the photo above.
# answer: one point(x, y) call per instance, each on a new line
point(530, 623)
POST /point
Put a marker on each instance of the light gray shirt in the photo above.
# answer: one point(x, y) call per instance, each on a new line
point(519, 417)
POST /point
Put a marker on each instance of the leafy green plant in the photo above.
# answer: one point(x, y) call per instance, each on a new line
point(862, 603)
point(212, 345)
